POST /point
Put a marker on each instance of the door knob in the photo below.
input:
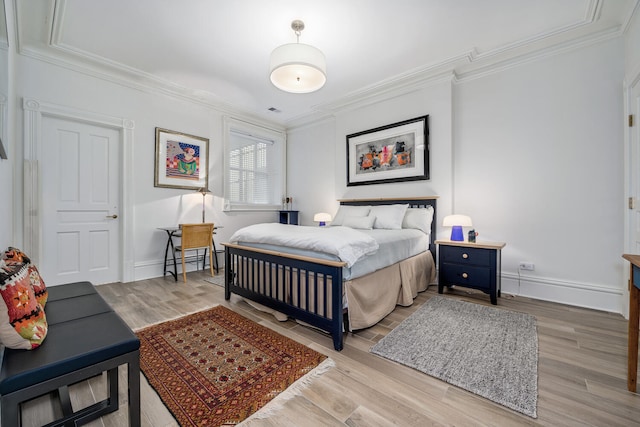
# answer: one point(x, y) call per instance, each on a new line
point(112, 216)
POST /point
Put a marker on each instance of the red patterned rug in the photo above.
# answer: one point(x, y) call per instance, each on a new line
point(217, 367)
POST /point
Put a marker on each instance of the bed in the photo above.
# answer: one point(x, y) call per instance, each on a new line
point(346, 287)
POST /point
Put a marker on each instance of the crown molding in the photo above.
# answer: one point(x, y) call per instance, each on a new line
point(135, 79)
point(467, 66)
point(464, 66)
point(310, 120)
point(487, 66)
point(592, 13)
point(412, 80)
point(371, 95)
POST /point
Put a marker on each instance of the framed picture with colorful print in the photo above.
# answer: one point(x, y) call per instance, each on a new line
point(181, 160)
point(392, 153)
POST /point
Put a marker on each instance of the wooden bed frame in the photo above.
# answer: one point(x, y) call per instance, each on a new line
point(264, 275)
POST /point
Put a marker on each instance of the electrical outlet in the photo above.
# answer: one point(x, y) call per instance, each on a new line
point(527, 266)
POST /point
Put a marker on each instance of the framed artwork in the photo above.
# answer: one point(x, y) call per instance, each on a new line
point(181, 160)
point(392, 153)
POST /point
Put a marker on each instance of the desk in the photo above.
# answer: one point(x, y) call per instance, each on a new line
point(634, 318)
point(175, 232)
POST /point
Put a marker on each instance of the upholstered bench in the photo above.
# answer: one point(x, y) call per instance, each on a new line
point(85, 338)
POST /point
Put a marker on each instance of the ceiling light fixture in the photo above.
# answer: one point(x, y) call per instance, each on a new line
point(297, 67)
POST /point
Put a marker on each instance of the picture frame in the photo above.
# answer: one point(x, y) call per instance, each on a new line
point(392, 153)
point(182, 160)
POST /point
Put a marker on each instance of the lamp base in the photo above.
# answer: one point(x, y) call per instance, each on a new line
point(456, 234)
point(322, 224)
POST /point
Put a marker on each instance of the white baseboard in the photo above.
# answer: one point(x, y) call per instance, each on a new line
point(564, 292)
point(577, 294)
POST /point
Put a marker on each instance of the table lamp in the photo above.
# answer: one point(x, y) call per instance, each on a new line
point(456, 222)
point(322, 218)
point(203, 191)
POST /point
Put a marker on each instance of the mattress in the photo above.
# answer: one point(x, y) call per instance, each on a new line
point(394, 246)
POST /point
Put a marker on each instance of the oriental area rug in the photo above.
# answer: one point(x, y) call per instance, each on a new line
point(488, 351)
point(217, 368)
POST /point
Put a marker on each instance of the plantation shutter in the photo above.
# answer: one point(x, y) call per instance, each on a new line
point(254, 167)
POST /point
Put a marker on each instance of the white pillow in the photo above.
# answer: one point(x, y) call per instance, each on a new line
point(345, 211)
point(362, 222)
point(419, 218)
point(388, 216)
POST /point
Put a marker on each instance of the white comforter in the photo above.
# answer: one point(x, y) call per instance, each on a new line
point(346, 243)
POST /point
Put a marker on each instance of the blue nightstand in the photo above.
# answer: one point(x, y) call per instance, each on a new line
point(472, 265)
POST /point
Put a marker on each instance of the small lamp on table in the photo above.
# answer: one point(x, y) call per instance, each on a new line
point(456, 222)
point(322, 218)
point(204, 191)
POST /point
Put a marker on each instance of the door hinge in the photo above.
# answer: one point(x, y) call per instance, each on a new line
point(630, 120)
point(632, 203)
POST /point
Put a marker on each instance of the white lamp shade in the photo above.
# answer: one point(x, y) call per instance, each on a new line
point(462, 220)
point(322, 217)
point(298, 68)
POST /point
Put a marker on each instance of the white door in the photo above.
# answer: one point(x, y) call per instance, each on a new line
point(80, 195)
point(633, 218)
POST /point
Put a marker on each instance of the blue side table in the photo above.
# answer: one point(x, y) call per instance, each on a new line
point(288, 217)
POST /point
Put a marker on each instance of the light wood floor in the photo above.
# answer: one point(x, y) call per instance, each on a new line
point(581, 374)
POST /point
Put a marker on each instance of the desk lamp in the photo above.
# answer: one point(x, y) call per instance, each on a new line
point(203, 191)
point(456, 222)
point(322, 218)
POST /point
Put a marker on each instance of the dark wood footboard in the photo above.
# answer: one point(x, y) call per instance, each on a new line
point(307, 289)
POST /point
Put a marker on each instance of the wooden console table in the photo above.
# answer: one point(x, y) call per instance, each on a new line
point(634, 319)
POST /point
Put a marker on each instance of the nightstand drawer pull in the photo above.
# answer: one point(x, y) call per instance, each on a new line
point(465, 256)
point(465, 276)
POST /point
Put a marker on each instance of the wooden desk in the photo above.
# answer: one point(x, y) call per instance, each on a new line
point(175, 232)
point(634, 319)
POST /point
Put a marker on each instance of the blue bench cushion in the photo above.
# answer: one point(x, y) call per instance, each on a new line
point(70, 346)
point(64, 310)
point(70, 290)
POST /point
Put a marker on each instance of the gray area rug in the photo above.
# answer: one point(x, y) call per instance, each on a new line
point(489, 351)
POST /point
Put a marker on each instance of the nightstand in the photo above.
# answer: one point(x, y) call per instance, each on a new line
point(472, 265)
point(288, 217)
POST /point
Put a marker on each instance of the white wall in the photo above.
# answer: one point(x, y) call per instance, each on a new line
point(153, 207)
point(312, 170)
point(539, 164)
point(317, 154)
point(631, 50)
point(533, 154)
point(6, 166)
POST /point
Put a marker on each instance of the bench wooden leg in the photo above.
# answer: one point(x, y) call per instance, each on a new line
point(9, 411)
point(65, 400)
point(133, 379)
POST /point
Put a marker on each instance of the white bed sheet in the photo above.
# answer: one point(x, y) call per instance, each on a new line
point(394, 246)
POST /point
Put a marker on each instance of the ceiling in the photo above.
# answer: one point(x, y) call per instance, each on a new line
point(217, 51)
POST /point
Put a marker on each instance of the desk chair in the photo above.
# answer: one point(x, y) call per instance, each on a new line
point(194, 237)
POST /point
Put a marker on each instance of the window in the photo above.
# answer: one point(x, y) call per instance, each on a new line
point(254, 167)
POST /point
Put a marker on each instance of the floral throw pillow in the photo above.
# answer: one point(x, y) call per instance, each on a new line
point(23, 324)
point(16, 256)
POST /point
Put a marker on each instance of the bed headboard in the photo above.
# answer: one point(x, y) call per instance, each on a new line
point(413, 202)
